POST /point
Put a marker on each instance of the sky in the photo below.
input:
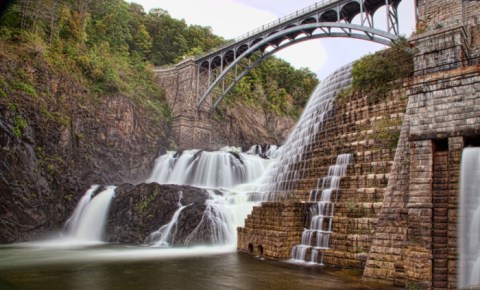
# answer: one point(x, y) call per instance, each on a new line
point(232, 18)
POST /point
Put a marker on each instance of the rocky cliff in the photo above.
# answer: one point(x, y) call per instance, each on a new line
point(57, 137)
point(242, 125)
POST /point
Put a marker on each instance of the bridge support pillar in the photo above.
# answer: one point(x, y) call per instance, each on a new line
point(446, 34)
point(191, 128)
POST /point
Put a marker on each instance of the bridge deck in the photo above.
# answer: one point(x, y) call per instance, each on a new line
point(219, 70)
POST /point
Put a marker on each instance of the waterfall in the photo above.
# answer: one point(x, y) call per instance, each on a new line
point(265, 151)
point(217, 224)
point(469, 220)
point(72, 222)
point(263, 173)
point(283, 177)
point(317, 237)
point(230, 171)
point(89, 219)
point(207, 169)
point(165, 235)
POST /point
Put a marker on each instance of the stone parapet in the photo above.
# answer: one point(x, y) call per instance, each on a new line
point(445, 104)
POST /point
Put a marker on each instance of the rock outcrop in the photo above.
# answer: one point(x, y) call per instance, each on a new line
point(244, 126)
point(137, 211)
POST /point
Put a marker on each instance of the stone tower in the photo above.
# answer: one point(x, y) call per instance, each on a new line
point(447, 35)
point(415, 243)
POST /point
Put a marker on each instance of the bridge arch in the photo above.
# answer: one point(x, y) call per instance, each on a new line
point(334, 19)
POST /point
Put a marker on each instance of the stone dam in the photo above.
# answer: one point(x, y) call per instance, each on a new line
point(396, 207)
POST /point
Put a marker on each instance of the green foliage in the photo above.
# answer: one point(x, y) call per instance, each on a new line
point(28, 89)
point(111, 45)
point(3, 88)
point(375, 74)
point(343, 95)
point(276, 86)
point(142, 205)
point(387, 131)
point(173, 40)
point(47, 163)
point(18, 126)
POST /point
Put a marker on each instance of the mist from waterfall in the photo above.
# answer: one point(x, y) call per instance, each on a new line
point(469, 220)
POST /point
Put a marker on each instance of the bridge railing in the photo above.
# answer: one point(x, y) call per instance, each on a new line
point(272, 24)
point(286, 18)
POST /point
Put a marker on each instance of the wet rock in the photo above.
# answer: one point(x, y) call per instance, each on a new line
point(137, 211)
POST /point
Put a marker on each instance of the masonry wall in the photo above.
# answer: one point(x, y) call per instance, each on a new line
point(443, 111)
point(191, 128)
point(272, 229)
point(415, 241)
point(369, 132)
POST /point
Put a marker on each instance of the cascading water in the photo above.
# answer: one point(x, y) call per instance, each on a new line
point(469, 220)
point(225, 210)
point(218, 221)
point(267, 151)
point(316, 239)
point(239, 176)
point(282, 177)
point(72, 222)
point(165, 235)
point(88, 221)
point(208, 169)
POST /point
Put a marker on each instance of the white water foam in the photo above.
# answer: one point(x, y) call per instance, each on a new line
point(469, 220)
point(282, 178)
point(316, 238)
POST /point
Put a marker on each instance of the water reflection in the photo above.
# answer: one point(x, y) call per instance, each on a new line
point(106, 267)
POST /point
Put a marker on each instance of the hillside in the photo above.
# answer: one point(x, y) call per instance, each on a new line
point(79, 103)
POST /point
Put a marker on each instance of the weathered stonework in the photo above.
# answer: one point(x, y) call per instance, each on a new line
point(356, 127)
point(272, 229)
point(443, 116)
point(191, 128)
point(447, 35)
point(396, 211)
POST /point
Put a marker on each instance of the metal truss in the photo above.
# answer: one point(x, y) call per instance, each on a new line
point(219, 71)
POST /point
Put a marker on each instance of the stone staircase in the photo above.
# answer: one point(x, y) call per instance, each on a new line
point(368, 131)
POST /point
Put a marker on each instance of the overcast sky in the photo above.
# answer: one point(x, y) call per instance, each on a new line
point(232, 18)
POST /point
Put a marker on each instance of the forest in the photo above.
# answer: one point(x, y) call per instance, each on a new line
point(112, 45)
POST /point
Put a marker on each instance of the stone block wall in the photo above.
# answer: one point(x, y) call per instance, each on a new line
point(443, 112)
point(434, 14)
point(368, 131)
point(191, 128)
point(445, 104)
point(441, 49)
point(272, 229)
point(448, 35)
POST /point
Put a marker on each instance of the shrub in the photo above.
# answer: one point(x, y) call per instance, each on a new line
point(375, 74)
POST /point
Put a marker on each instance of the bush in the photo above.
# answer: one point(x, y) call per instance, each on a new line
point(375, 74)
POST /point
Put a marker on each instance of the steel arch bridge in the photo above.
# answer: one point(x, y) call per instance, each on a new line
point(220, 70)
